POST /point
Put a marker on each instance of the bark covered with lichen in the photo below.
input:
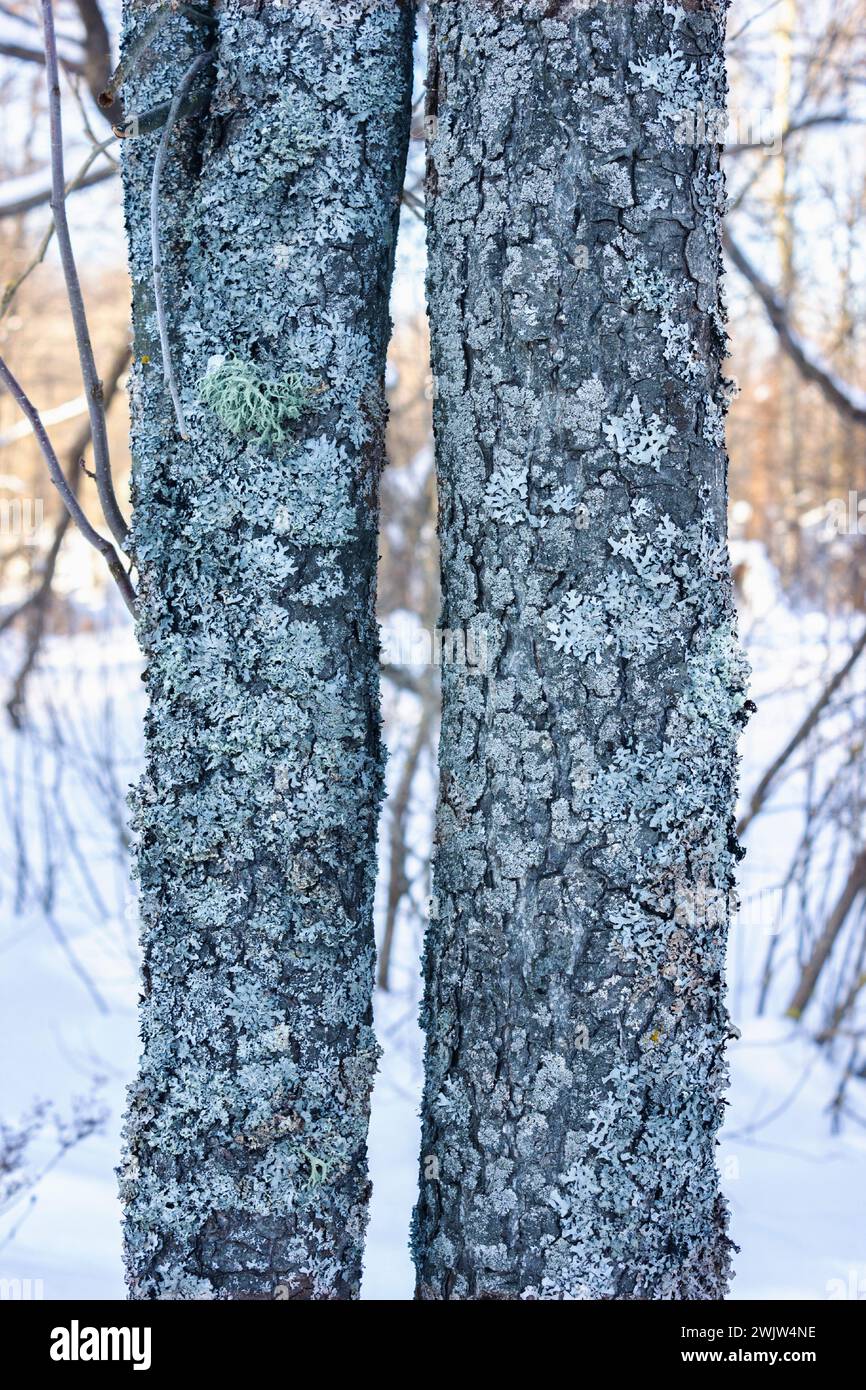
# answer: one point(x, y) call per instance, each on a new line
point(244, 1172)
point(574, 1006)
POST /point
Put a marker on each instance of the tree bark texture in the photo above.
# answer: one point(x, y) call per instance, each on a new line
point(245, 1170)
point(574, 1010)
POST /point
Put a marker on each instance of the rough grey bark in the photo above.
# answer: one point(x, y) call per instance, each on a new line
point(574, 962)
point(244, 1173)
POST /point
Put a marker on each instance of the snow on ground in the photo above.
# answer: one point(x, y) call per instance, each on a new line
point(795, 1190)
point(68, 989)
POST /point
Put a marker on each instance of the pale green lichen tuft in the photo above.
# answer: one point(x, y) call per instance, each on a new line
point(251, 405)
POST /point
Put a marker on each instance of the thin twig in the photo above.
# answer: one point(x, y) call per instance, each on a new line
point(850, 402)
point(76, 181)
point(97, 57)
point(36, 606)
point(70, 501)
point(854, 885)
point(15, 207)
point(759, 795)
point(795, 128)
point(158, 290)
point(90, 376)
point(35, 55)
point(74, 39)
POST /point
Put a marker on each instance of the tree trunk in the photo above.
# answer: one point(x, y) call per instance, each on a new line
point(574, 962)
point(245, 1172)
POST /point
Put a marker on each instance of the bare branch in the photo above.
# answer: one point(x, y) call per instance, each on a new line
point(77, 181)
point(807, 123)
point(70, 501)
point(97, 58)
point(759, 795)
point(30, 23)
point(90, 376)
point(847, 399)
point(15, 207)
point(25, 54)
point(854, 884)
point(842, 1010)
point(37, 605)
point(94, 66)
point(197, 66)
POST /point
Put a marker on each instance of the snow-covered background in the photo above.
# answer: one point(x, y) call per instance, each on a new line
point(68, 987)
point(793, 1154)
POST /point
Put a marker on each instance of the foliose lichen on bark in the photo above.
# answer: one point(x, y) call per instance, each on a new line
point(574, 1005)
point(244, 1171)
